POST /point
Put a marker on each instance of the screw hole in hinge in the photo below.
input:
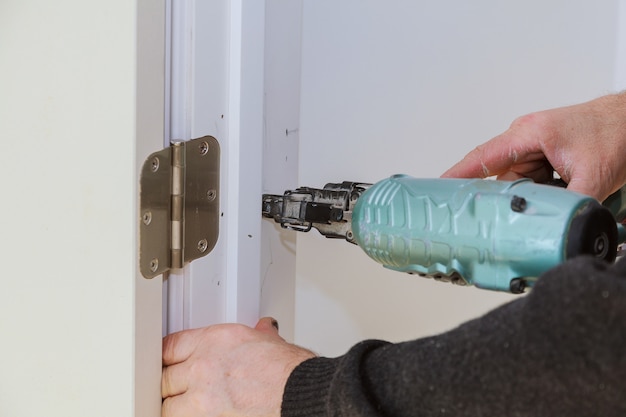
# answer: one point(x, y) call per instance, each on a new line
point(155, 164)
point(203, 245)
point(204, 147)
point(154, 265)
point(211, 194)
point(147, 218)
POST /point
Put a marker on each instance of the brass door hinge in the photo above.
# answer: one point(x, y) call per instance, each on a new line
point(179, 205)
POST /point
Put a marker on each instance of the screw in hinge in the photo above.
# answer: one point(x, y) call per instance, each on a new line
point(203, 245)
point(204, 147)
point(147, 217)
point(154, 265)
point(211, 194)
point(155, 164)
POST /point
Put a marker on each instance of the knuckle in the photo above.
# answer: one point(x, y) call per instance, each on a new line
point(530, 119)
point(534, 125)
point(166, 383)
point(199, 369)
point(166, 407)
point(168, 345)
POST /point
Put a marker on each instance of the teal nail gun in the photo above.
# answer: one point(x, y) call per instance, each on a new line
point(496, 235)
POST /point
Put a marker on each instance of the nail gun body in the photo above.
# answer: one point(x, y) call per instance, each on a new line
point(495, 235)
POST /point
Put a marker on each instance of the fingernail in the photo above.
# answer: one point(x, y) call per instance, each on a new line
point(275, 324)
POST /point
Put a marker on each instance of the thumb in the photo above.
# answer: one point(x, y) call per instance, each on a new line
point(267, 325)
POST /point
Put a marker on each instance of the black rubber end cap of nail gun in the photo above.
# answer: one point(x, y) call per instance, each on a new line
point(593, 231)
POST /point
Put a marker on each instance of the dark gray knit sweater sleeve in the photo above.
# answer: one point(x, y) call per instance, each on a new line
point(560, 351)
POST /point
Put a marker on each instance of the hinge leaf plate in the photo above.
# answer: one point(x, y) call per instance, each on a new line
point(202, 182)
point(166, 228)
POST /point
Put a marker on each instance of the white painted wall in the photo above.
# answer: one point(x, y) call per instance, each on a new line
point(81, 105)
point(410, 87)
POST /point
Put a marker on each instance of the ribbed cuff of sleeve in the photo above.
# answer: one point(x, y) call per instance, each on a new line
point(308, 386)
point(328, 387)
